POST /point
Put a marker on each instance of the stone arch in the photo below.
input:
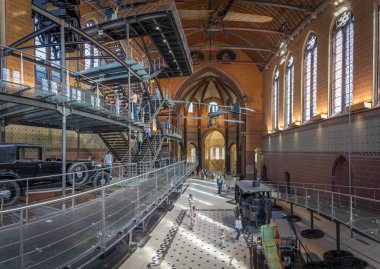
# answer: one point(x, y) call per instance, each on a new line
point(214, 140)
point(189, 155)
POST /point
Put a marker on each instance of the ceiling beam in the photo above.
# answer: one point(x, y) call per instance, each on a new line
point(233, 47)
point(234, 28)
point(280, 5)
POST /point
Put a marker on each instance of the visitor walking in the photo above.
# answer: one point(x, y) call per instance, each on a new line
point(238, 227)
point(193, 217)
point(222, 237)
point(190, 201)
point(108, 159)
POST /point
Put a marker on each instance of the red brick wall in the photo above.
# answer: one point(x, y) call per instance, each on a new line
point(304, 164)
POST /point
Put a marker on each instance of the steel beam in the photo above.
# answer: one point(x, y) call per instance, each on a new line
point(84, 35)
point(279, 5)
point(233, 47)
point(235, 28)
point(29, 37)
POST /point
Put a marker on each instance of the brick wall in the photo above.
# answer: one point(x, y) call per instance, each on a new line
point(309, 152)
point(249, 81)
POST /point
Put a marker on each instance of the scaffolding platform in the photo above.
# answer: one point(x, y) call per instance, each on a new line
point(24, 105)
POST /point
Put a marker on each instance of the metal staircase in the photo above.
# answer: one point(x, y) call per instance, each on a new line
point(117, 143)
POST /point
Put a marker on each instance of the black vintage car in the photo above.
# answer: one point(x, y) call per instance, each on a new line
point(19, 161)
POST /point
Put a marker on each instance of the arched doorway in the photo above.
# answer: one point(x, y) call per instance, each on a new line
point(233, 159)
point(179, 152)
point(340, 180)
point(191, 153)
point(213, 151)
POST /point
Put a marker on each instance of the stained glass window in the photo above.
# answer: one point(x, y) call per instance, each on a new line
point(289, 91)
point(310, 78)
point(276, 101)
point(343, 56)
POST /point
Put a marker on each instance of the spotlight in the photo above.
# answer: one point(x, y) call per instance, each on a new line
point(164, 40)
point(157, 28)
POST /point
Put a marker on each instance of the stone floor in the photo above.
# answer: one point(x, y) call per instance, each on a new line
point(201, 248)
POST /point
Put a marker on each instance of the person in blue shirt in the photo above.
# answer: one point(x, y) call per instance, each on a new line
point(108, 158)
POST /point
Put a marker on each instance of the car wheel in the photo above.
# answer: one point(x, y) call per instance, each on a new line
point(11, 192)
point(78, 173)
point(101, 179)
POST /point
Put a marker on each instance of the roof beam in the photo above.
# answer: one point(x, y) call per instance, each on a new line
point(233, 47)
point(234, 28)
point(280, 5)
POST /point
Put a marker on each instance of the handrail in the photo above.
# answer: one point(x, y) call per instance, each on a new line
point(321, 184)
point(71, 196)
point(329, 192)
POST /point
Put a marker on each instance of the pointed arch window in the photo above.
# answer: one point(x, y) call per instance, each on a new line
point(343, 58)
point(276, 99)
point(212, 107)
point(191, 108)
point(91, 53)
point(289, 91)
point(310, 78)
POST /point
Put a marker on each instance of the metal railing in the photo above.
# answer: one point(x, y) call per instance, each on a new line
point(16, 80)
point(47, 236)
point(360, 211)
point(29, 189)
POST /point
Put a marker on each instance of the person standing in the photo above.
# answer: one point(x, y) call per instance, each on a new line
point(139, 140)
point(190, 201)
point(219, 183)
point(167, 123)
point(238, 227)
point(134, 105)
point(148, 131)
point(193, 217)
point(108, 159)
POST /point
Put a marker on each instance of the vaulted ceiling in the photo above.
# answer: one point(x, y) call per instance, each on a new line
point(255, 27)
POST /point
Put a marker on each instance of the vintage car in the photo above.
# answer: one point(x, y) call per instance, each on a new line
point(18, 161)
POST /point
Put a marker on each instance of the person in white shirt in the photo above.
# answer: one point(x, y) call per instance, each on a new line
point(108, 158)
point(238, 227)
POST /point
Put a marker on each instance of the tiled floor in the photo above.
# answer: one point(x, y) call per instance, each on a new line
point(201, 248)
